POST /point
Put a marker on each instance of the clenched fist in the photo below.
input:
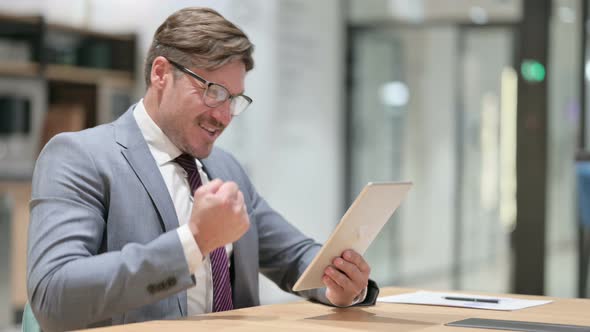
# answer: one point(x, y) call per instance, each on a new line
point(219, 215)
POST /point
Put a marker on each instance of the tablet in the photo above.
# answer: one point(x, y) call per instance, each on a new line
point(357, 229)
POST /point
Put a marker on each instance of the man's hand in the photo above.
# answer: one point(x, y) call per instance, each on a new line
point(219, 215)
point(346, 279)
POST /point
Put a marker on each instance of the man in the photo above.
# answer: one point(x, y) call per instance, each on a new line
point(144, 219)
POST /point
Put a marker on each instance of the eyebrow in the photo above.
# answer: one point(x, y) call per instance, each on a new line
point(225, 86)
point(190, 71)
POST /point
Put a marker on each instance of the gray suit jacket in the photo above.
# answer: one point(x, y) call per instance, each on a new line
point(103, 248)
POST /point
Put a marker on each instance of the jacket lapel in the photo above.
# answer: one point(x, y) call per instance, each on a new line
point(138, 155)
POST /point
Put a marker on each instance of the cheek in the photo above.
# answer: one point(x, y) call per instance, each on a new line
point(190, 104)
point(189, 119)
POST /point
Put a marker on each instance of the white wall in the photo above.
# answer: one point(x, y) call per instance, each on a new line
point(290, 140)
point(417, 11)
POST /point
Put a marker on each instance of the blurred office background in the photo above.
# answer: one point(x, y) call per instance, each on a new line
point(481, 103)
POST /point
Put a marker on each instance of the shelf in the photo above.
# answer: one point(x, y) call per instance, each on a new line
point(67, 73)
point(20, 18)
point(24, 69)
point(87, 32)
point(72, 74)
point(92, 57)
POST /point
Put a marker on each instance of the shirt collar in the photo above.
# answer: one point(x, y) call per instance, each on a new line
point(160, 145)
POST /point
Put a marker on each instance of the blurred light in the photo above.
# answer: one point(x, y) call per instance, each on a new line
point(587, 70)
point(395, 94)
point(566, 14)
point(478, 15)
point(489, 132)
point(412, 11)
point(532, 71)
point(509, 97)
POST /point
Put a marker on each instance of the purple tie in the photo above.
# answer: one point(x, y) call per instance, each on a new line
point(222, 295)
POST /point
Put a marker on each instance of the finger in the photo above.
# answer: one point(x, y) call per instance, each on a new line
point(351, 270)
point(239, 198)
point(330, 283)
point(243, 210)
point(356, 259)
point(210, 187)
point(342, 280)
point(239, 203)
point(228, 191)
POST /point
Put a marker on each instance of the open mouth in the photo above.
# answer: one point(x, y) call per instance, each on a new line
point(212, 130)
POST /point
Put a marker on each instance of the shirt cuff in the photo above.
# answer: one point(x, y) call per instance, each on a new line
point(361, 297)
point(192, 254)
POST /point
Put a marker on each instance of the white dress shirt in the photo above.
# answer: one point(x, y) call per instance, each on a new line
point(199, 297)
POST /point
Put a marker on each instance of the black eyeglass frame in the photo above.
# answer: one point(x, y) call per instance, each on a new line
point(209, 84)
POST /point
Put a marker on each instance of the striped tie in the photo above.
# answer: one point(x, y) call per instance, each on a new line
point(222, 294)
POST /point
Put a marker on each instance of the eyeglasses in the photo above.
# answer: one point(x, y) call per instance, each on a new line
point(216, 94)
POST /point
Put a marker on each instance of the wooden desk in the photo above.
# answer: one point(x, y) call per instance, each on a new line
point(306, 316)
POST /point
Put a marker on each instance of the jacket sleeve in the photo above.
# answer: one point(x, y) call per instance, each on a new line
point(70, 283)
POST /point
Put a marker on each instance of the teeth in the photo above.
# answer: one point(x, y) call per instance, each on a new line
point(211, 130)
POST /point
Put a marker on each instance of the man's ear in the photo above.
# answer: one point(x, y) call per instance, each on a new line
point(159, 75)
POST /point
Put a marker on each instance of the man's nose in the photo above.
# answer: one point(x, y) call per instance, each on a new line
point(222, 113)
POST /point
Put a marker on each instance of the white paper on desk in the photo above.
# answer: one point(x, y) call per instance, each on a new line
point(435, 298)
